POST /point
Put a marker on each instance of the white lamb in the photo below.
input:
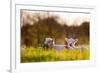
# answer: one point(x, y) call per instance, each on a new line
point(49, 43)
point(71, 42)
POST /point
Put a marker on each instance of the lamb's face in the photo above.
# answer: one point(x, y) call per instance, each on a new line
point(49, 41)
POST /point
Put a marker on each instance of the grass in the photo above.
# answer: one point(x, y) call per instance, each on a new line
point(31, 54)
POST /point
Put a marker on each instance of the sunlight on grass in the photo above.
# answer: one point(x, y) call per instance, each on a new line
point(31, 54)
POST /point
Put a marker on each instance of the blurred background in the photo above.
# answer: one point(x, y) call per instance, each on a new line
point(38, 25)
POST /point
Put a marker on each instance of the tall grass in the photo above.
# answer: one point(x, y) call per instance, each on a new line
point(31, 54)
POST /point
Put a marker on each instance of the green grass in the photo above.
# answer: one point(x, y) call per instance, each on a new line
point(31, 54)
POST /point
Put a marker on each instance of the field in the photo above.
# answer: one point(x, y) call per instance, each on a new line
point(37, 26)
point(31, 54)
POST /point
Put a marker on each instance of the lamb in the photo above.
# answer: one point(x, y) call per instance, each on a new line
point(71, 42)
point(49, 43)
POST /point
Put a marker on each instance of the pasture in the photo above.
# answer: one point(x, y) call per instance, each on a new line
point(39, 54)
point(48, 37)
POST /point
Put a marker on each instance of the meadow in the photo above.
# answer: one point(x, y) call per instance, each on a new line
point(31, 54)
point(36, 26)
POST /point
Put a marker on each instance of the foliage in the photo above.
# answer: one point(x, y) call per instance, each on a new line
point(34, 34)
